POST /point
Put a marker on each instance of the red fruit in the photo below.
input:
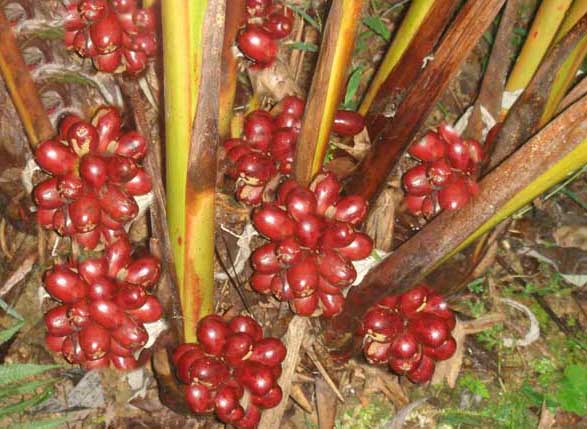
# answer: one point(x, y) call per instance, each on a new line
point(83, 137)
point(414, 299)
point(281, 288)
point(472, 186)
point(54, 344)
point(258, 129)
point(278, 25)
point(288, 121)
point(92, 269)
point(258, 7)
point(448, 133)
point(120, 169)
point(45, 217)
point(117, 203)
point(429, 148)
point(257, 378)
point(292, 105)
point(423, 372)
point(94, 341)
point(85, 213)
point(62, 222)
point(437, 305)
point(454, 196)
point(246, 325)
point(106, 313)
point(140, 184)
point(305, 306)
point(443, 351)
point(144, 271)
point(72, 352)
point(326, 287)
point(439, 172)
point(269, 352)
point(430, 205)
point(331, 303)
point(458, 154)
point(348, 123)
point(79, 314)
point(309, 230)
point(270, 400)
point(181, 350)
point(237, 348)
point(248, 194)
point(283, 144)
point(261, 283)
point(108, 63)
point(300, 203)
point(107, 123)
point(359, 248)
point(106, 34)
point(118, 256)
point(88, 240)
point(289, 252)
point(255, 167)
point(118, 350)
point(135, 61)
point(55, 157)
point(337, 235)
point(130, 297)
point(376, 353)
point(273, 222)
point(102, 289)
point(351, 209)
point(145, 19)
point(124, 6)
point(404, 346)
point(429, 330)
point(149, 312)
point(257, 45)
point(92, 10)
point(390, 301)
point(226, 400)
point(199, 398)
point(416, 181)
point(70, 187)
point(414, 203)
point(131, 144)
point(57, 322)
point(124, 363)
point(65, 123)
point(212, 331)
point(46, 194)
point(93, 170)
point(401, 366)
point(326, 187)
point(208, 371)
point(381, 324)
point(335, 269)
point(264, 259)
point(251, 418)
point(303, 277)
point(285, 189)
point(185, 361)
point(131, 334)
point(64, 285)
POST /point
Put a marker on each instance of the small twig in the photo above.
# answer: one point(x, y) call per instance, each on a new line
point(3, 244)
point(298, 395)
point(314, 358)
point(21, 272)
point(233, 282)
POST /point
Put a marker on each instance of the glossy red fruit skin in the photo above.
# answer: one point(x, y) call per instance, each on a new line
point(337, 235)
point(261, 283)
point(443, 351)
point(108, 63)
point(198, 398)
point(57, 322)
point(85, 213)
point(439, 173)
point(332, 304)
point(45, 217)
point(64, 284)
point(70, 187)
point(326, 187)
point(351, 209)
point(118, 256)
point(381, 324)
point(430, 330)
point(347, 123)
point(65, 123)
point(93, 170)
point(326, 287)
point(454, 196)
point(92, 269)
point(258, 129)
point(185, 362)
point(335, 269)
point(118, 350)
point(255, 167)
point(130, 297)
point(83, 137)
point(303, 277)
point(360, 248)
point(423, 372)
point(404, 346)
point(208, 371)
point(246, 325)
point(251, 418)
point(458, 154)
point(55, 158)
point(414, 203)
point(92, 10)
point(124, 363)
point(117, 203)
point(181, 350)
point(429, 148)
point(264, 259)
point(416, 182)
point(94, 341)
point(270, 400)
point(71, 350)
point(300, 203)
point(106, 313)
point(46, 194)
point(289, 251)
point(95, 364)
point(143, 271)
point(79, 314)
point(376, 353)
point(102, 289)
point(131, 334)
point(292, 105)
point(414, 299)
point(258, 45)
point(62, 222)
point(269, 352)
point(226, 400)
point(107, 122)
point(120, 169)
point(140, 184)
point(212, 332)
point(250, 195)
point(400, 366)
point(258, 7)
point(236, 348)
point(281, 288)
point(149, 312)
point(106, 34)
point(136, 61)
point(258, 378)
point(53, 343)
point(305, 306)
point(273, 222)
point(131, 144)
point(278, 25)
point(309, 230)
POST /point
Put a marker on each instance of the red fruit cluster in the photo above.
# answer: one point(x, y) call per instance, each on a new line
point(445, 179)
point(104, 302)
point(409, 332)
point(231, 357)
point(314, 240)
point(116, 34)
point(267, 145)
point(267, 24)
point(95, 175)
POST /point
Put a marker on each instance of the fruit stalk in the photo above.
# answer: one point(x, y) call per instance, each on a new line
point(326, 89)
point(551, 155)
point(21, 87)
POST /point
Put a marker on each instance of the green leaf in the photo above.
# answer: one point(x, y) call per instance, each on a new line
point(303, 46)
point(23, 389)
point(11, 311)
point(23, 405)
point(377, 26)
point(14, 373)
point(306, 17)
point(351, 88)
point(8, 333)
point(572, 391)
point(43, 424)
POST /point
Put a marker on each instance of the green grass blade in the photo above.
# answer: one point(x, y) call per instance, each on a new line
point(306, 17)
point(11, 311)
point(19, 407)
point(7, 334)
point(24, 389)
point(14, 373)
point(43, 424)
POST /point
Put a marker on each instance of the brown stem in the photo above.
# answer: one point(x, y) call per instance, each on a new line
point(524, 116)
point(22, 88)
point(473, 19)
point(447, 232)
